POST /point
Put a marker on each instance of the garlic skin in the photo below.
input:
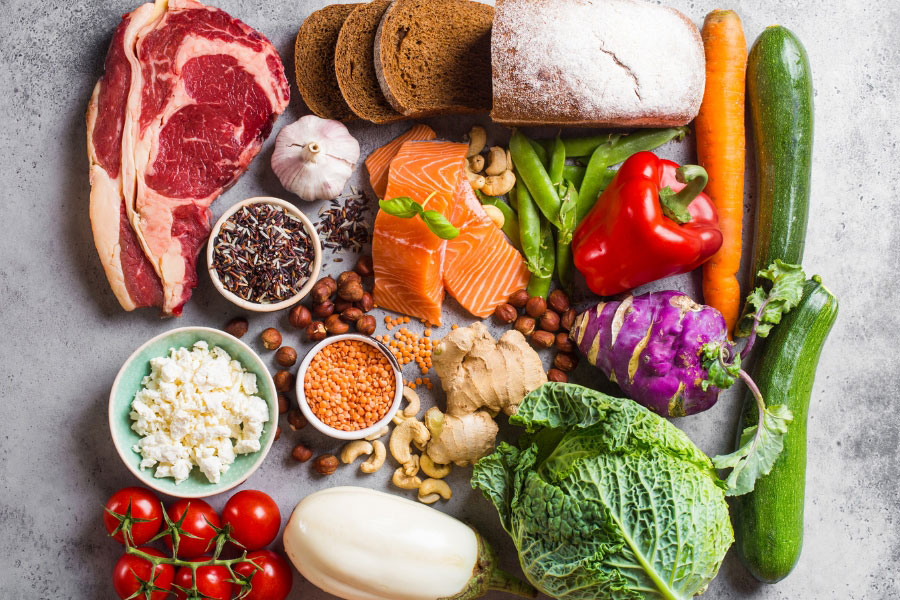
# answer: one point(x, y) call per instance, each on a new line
point(314, 158)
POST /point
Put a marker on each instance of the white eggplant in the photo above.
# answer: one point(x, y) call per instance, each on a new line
point(361, 544)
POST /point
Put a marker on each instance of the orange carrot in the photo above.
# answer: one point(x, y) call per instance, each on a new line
point(720, 150)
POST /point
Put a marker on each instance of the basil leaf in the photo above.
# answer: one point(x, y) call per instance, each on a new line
point(439, 225)
point(785, 293)
point(402, 206)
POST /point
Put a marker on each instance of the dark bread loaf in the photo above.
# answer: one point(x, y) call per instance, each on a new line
point(314, 62)
point(434, 56)
point(354, 64)
point(619, 63)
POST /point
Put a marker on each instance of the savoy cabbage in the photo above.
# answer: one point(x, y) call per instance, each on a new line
point(605, 499)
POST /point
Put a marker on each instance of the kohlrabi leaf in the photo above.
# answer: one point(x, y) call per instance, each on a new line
point(759, 449)
point(719, 373)
point(784, 294)
point(614, 503)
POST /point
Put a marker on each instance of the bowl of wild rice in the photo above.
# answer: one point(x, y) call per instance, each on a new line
point(264, 254)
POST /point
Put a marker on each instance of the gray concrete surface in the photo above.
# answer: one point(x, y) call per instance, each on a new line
point(63, 337)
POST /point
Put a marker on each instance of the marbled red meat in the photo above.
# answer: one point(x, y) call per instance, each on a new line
point(187, 98)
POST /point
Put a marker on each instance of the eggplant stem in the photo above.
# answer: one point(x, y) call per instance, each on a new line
point(501, 581)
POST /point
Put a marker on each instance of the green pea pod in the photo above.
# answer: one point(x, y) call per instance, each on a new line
point(530, 230)
point(510, 220)
point(557, 162)
point(513, 199)
point(574, 173)
point(567, 214)
point(532, 171)
point(595, 180)
point(620, 147)
point(539, 285)
point(541, 152)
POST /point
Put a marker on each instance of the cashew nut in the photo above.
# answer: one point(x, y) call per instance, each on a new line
point(476, 163)
point(475, 179)
point(378, 434)
point(408, 431)
point(497, 185)
point(496, 162)
point(375, 461)
point(509, 162)
point(477, 141)
point(413, 402)
point(412, 467)
point(432, 489)
point(405, 482)
point(354, 450)
point(398, 418)
point(433, 470)
point(495, 214)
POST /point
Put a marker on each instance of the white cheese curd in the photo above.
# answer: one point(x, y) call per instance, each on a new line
point(196, 407)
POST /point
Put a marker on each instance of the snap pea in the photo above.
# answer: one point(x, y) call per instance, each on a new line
point(567, 214)
point(574, 173)
point(532, 171)
point(529, 230)
point(539, 149)
point(594, 182)
point(557, 162)
point(585, 146)
point(539, 284)
point(513, 199)
point(510, 220)
point(619, 147)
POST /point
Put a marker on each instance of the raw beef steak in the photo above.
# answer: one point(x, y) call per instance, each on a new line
point(187, 98)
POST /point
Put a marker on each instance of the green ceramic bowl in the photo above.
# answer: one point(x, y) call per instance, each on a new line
point(128, 382)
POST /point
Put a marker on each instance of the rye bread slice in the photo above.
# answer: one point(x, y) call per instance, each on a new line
point(314, 62)
point(434, 56)
point(616, 63)
point(354, 64)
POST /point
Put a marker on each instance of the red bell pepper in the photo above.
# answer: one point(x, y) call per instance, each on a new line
point(652, 221)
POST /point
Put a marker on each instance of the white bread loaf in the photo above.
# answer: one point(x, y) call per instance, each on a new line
point(617, 63)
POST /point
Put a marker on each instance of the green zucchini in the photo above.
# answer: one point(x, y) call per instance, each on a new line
point(768, 522)
point(780, 98)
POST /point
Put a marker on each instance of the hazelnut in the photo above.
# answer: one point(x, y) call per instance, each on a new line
point(549, 322)
point(283, 404)
point(341, 305)
point(364, 266)
point(284, 381)
point(524, 325)
point(346, 276)
point(323, 289)
point(519, 299)
point(557, 376)
point(565, 362)
point(366, 325)
point(352, 314)
point(536, 307)
point(237, 327)
point(506, 314)
point(542, 339)
point(325, 464)
point(323, 309)
point(271, 338)
point(568, 319)
point(296, 420)
point(315, 332)
point(286, 356)
point(301, 453)
point(366, 303)
point(351, 290)
point(335, 326)
point(563, 343)
point(300, 317)
point(558, 301)
point(277, 433)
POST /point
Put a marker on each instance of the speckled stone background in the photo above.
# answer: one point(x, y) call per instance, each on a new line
point(63, 336)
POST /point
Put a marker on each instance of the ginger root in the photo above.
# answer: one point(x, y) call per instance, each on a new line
point(477, 371)
point(459, 440)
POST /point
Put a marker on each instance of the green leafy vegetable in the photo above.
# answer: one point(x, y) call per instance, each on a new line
point(407, 208)
point(718, 372)
point(605, 499)
point(766, 308)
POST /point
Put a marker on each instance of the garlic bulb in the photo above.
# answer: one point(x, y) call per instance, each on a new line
point(315, 157)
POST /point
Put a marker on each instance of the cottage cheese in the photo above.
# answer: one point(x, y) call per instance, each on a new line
point(197, 407)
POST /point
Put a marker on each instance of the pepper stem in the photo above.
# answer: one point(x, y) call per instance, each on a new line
point(675, 204)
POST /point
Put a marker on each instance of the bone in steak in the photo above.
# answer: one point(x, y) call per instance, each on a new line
point(188, 96)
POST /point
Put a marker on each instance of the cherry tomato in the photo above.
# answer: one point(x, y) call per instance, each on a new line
point(200, 516)
point(273, 582)
point(131, 570)
point(142, 506)
point(213, 581)
point(254, 518)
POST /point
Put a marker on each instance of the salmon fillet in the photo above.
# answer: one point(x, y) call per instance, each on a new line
point(481, 268)
point(408, 258)
point(379, 161)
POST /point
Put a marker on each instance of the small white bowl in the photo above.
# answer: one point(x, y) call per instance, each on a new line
point(337, 433)
point(313, 238)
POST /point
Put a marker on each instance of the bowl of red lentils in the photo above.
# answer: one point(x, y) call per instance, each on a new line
point(349, 386)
